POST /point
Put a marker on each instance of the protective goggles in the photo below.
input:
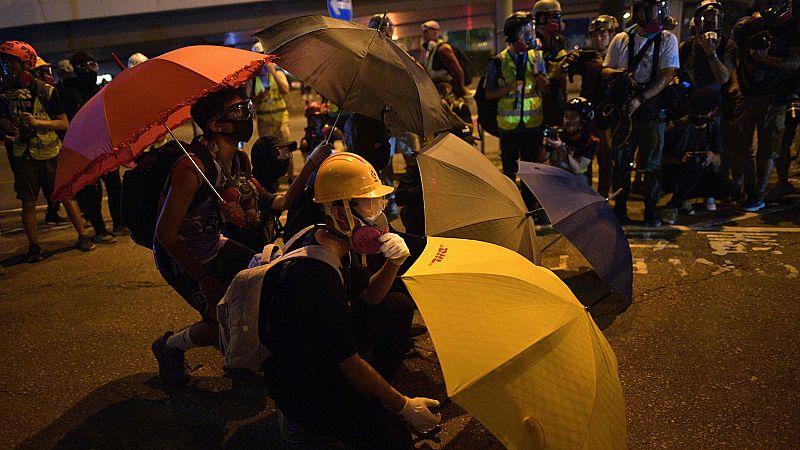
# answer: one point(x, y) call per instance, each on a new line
point(710, 20)
point(239, 111)
point(369, 208)
point(89, 66)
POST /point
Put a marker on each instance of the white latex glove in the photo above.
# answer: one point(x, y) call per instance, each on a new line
point(394, 248)
point(320, 153)
point(416, 413)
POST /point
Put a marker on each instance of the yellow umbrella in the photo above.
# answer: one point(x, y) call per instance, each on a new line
point(518, 351)
point(467, 197)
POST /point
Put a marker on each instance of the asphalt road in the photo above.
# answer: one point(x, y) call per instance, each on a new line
point(708, 352)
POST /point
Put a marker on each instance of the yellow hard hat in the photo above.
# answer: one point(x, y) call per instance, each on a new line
point(344, 176)
point(41, 63)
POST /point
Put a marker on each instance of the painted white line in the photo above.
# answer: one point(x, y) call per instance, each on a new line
point(639, 266)
point(562, 263)
point(677, 262)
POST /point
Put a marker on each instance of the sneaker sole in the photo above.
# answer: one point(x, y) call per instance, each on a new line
point(158, 351)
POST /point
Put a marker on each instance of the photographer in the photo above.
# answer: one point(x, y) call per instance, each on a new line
point(650, 53)
point(589, 65)
point(30, 115)
point(693, 146)
point(708, 59)
point(574, 147)
point(549, 27)
point(769, 55)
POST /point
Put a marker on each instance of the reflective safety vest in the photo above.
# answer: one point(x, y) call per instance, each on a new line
point(524, 107)
point(43, 144)
point(270, 103)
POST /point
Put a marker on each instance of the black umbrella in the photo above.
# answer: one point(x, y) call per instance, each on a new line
point(359, 69)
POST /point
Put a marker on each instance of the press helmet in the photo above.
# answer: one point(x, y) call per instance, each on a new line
point(552, 9)
point(513, 23)
point(708, 16)
point(582, 106)
point(25, 52)
point(651, 24)
point(604, 22)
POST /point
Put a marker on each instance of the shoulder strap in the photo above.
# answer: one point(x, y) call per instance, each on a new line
point(635, 58)
point(293, 240)
point(317, 252)
point(656, 57)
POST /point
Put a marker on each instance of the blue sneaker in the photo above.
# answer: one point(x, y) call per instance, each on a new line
point(754, 205)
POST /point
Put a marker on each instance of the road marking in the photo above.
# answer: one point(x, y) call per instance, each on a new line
point(639, 266)
point(655, 246)
point(727, 242)
point(562, 263)
point(677, 262)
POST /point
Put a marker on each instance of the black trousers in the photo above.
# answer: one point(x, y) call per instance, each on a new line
point(332, 406)
point(519, 146)
point(383, 331)
point(90, 201)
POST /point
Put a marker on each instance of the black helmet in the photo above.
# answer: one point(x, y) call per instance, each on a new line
point(604, 22)
point(777, 9)
point(513, 23)
point(708, 16)
point(652, 24)
point(582, 106)
point(381, 22)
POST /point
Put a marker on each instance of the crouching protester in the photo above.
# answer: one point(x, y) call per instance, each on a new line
point(573, 148)
point(190, 250)
point(315, 375)
point(692, 154)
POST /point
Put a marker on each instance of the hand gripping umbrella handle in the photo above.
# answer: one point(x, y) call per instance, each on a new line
point(213, 189)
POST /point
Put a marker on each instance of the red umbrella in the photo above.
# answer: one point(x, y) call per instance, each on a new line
point(130, 113)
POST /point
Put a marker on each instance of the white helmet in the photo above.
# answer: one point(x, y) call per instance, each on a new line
point(257, 47)
point(136, 58)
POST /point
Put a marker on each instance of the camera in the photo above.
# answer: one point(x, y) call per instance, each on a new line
point(698, 157)
point(552, 132)
point(760, 41)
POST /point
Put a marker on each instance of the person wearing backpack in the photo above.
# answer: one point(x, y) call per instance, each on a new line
point(650, 54)
point(441, 59)
point(191, 253)
point(30, 114)
point(517, 79)
point(314, 372)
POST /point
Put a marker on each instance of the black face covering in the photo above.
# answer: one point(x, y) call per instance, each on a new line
point(242, 130)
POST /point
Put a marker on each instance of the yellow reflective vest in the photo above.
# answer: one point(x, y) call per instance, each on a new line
point(524, 107)
point(270, 103)
point(43, 144)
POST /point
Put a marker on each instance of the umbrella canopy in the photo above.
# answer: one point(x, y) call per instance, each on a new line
point(467, 197)
point(585, 219)
point(517, 349)
point(359, 69)
point(125, 117)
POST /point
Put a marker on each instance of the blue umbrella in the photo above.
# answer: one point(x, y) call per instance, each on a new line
point(584, 217)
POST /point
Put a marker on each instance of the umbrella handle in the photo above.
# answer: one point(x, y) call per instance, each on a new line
point(213, 189)
point(335, 121)
point(614, 194)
